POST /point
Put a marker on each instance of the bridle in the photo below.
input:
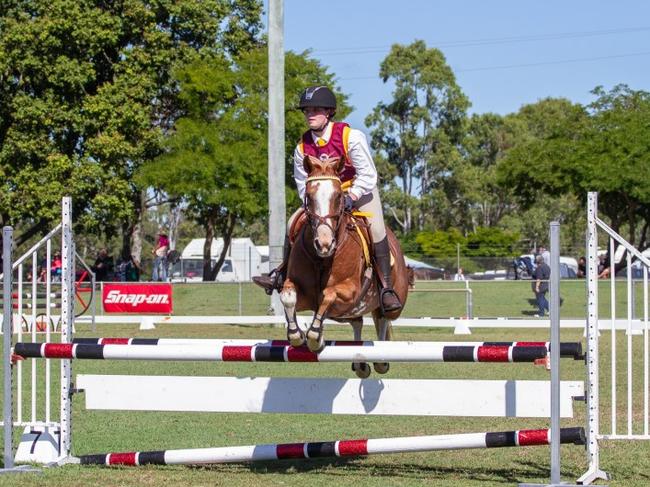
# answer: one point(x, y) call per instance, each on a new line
point(317, 220)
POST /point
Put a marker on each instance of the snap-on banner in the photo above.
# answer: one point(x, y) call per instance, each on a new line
point(137, 298)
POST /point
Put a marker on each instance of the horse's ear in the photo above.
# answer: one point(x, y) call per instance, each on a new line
point(308, 164)
point(340, 163)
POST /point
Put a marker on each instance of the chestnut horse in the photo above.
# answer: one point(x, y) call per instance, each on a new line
point(327, 271)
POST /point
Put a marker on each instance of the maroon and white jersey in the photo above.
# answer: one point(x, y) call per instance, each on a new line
point(338, 140)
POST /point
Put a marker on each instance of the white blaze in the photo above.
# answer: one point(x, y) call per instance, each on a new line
point(324, 195)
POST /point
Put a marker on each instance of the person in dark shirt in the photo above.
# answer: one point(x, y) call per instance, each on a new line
point(103, 267)
point(582, 267)
point(541, 275)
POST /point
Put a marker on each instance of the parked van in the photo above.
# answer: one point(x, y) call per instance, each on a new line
point(243, 261)
point(525, 264)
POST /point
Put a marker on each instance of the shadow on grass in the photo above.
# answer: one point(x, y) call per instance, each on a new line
point(518, 472)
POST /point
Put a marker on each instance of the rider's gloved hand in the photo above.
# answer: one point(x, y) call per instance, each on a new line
point(348, 203)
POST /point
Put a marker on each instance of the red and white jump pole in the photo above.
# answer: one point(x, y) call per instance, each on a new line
point(396, 352)
point(567, 349)
point(343, 448)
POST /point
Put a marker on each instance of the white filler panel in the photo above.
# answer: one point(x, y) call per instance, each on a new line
point(410, 397)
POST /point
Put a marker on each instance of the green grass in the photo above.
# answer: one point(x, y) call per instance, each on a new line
point(105, 431)
point(513, 299)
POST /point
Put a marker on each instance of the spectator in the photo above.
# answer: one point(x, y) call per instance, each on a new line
point(541, 275)
point(160, 258)
point(582, 267)
point(56, 267)
point(603, 266)
point(128, 269)
point(459, 276)
point(133, 270)
point(103, 267)
point(546, 255)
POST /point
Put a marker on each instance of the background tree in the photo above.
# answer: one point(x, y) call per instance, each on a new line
point(215, 160)
point(416, 135)
point(86, 95)
point(603, 147)
point(477, 199)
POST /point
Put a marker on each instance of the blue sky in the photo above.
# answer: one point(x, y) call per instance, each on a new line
point(504, 53)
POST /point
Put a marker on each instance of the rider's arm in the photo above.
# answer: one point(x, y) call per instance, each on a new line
point(299, 173)
point(366, 172)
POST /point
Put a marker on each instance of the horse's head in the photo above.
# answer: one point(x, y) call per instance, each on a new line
point(323, 202)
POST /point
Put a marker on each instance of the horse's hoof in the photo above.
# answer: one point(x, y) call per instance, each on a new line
point(316, 346)
point(296, 338)
point(381, 367)
point(315, 341)
point(361, 369)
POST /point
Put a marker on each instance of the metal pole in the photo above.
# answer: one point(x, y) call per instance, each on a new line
point(469, 302)
point(7, 330)
point(554, 306)
point(239, 298)
point(7, 242)
point(276, 169)
point(554, 352)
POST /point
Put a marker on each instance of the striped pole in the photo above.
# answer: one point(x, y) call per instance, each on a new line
point(399, 352)
point(567, 349)
point(344, 448)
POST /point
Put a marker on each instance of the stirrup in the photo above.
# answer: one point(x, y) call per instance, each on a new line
point(270, 282)
point(384, 292)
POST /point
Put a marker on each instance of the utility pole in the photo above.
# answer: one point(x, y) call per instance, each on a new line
point(277, 204)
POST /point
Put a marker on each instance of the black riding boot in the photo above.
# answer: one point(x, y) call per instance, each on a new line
point(388, 296)
point(274, 280)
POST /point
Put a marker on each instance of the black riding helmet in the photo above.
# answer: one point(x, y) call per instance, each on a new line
point(317, 96)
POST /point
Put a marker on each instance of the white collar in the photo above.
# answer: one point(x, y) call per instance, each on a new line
point(326, 135)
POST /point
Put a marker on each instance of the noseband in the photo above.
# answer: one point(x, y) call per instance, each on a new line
point(317, 220)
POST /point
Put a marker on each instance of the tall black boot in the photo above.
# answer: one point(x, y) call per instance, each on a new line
point(274, 280)
point(388, 296)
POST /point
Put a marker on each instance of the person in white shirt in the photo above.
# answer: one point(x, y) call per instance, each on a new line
point(324, 139)
point(459, 276)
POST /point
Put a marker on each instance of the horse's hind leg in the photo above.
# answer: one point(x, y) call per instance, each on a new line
point(362, 369)
point(384, 330)
point(289, 297)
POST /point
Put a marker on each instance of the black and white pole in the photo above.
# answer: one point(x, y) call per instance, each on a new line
point(343, 448)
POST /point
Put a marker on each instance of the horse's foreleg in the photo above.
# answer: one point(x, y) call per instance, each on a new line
point(315, 340)
point(360, 368)
point(384, 330)
point(289, 298)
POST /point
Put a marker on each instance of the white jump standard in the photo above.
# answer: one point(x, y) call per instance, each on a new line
point(398, 352)
point(328, 449)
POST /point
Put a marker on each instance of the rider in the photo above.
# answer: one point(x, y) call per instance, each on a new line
point(326, 138)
